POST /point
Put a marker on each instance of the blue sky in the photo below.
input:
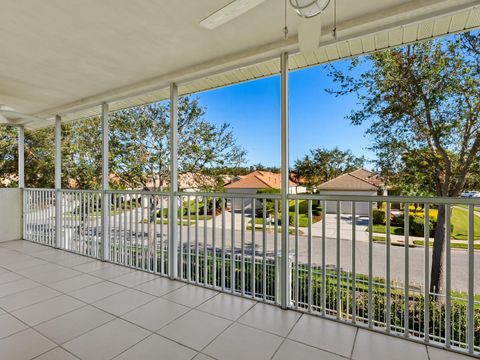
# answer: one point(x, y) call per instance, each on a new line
point(317, 119)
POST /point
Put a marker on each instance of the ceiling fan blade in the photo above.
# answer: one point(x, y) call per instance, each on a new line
point(309, 32)
point(229, 12)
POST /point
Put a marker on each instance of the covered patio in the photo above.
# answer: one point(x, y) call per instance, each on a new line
point(88, 274)
point(68, 306)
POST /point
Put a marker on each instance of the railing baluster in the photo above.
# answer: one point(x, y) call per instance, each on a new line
point(142, 229)
point(124, 260)
point(338, 254)
point(155, 231)
point(131, 231)
point(189, 240)
point(447, 275)
point(309, 254)
point(205, 239)
point(114, 244)
point(407, 269)
point(354, 271)
point(232, 253)
point(197, 254)
point(275, 250)
point(136, 230)
point(180, 240)
point(324, 263)
point(214, 246)
point(370, 264)
point(242, 271)
point(149, 233)
point(388, 280)
point(471, 280)
point(252, 270)
point(426, 260)
point(297, 288)
point(264, 250)
point(222, 274)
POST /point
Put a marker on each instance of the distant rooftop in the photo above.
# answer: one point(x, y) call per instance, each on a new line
point(258, 180)
point(357, 180)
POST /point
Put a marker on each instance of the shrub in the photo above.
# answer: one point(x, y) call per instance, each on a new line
point(417, 226)
point(379, 217)
point(397, 220)
point(316, 210)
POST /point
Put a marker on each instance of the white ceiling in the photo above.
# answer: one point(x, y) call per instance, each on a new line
point(68, 56)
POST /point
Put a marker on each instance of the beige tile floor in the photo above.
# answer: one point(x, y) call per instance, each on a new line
point(56, 305)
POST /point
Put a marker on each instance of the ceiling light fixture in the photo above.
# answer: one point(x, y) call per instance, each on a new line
point(309, 8)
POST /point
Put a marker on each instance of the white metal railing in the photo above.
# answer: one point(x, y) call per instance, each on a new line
point(338, 265)
point(81, 222)
point(39, 216)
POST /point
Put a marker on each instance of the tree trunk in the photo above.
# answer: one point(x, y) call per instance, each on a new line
point(437, 275)
point(152, 218)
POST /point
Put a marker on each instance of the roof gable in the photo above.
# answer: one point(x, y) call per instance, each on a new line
point(259, 180)
point(349, 182)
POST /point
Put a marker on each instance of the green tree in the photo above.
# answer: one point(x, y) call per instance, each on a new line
point(82, 154)
point(8, 156)
point(422, 102)
point(140, 144)
point(322, 165)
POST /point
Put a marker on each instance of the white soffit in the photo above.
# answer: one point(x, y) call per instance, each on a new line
point(353, 39)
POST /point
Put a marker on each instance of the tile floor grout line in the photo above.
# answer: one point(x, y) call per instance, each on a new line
point(354, 344)
point(59, 347)
point(38, 302)
point(286, 337)
point(185, 313)
point(229, 326)
point(428, 352)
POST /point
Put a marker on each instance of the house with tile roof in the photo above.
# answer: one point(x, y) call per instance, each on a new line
point(357, 182)
point(257, 181)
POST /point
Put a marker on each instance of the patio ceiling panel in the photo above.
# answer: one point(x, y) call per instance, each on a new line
point(464, 20)
point(402, 23)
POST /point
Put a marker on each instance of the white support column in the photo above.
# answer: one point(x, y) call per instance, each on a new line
point(172, 213)
point(58, 180)
point(285, 273)
point(21, 172)
point(105, 185)
point(21, 157)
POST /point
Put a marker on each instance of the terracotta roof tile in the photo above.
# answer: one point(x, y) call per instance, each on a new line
point(258, 180)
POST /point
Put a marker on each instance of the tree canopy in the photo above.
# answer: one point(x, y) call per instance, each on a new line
point(422, 102)
point(322, 165)
point(139, 148)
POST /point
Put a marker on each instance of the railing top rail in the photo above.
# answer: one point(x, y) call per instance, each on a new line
point(38, 189)
point(336, 197)
point(232, 195)
point(138, 192)
point(391, 199)
point(81, 191)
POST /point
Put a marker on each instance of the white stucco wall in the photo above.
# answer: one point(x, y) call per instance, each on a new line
point(10, 214)
point(346, 206)
point(237, 203)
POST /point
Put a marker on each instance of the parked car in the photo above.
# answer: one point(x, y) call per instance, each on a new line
point(470, 194)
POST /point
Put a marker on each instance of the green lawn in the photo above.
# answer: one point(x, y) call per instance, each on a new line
point(459, 222)
point(452, 245)
point(381, 239)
